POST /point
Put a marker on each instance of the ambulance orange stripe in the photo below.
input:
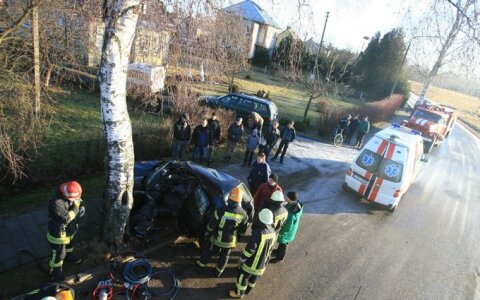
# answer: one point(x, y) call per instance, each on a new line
point(380, 150)
point(362, 189)
point(378, 183)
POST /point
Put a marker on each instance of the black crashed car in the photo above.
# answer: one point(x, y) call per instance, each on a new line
point(181, 190)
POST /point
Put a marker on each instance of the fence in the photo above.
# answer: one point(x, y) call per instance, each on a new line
point(70, 160)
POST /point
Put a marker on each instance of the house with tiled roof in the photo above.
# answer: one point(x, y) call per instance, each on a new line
point(260, 28)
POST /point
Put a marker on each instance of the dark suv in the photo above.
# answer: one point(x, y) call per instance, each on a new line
point(243, 105)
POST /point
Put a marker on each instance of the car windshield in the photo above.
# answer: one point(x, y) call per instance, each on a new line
point(421, 114)
point(378, 165)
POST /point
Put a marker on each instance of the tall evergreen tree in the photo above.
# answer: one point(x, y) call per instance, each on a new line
point(376, 70)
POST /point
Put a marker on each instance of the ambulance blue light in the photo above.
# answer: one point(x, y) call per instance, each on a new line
point(395, 125)
point(416, 132)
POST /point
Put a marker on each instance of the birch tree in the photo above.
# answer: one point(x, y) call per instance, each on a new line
point(452, 26)
point(120, 24)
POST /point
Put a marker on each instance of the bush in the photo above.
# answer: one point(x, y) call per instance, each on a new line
point(248, 77)
point(300, 126)
point(261, 57)
point(234, 88)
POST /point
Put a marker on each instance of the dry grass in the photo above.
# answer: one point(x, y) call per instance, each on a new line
point(468, 107)
point(289, 97)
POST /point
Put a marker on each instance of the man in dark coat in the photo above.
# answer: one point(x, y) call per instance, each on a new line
point(352, 128)
point(235, 133)
point(181, 136)
point(271, 138)
point(214, 126)
point(201, 139)
point(287, 134)
point(259, 173)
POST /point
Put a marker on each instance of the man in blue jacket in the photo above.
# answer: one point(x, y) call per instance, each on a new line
point(259, 173)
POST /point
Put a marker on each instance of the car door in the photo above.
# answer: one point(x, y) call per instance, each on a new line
point(193, 213)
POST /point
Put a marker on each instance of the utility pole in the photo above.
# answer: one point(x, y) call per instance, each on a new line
point(315, 69)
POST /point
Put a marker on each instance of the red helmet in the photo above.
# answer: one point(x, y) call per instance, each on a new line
point(71, 190)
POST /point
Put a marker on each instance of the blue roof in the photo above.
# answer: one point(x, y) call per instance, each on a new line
point(250, 10)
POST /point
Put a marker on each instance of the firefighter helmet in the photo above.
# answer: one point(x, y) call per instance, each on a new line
point(71, 190)
point(266, 216)
point(236, 195)
point(64, 295)
point(277, 196)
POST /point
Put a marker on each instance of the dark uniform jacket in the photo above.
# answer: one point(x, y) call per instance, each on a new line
point(181, 133)
point(62, 220)
point(287, 134)
point(280, 214)
point(257, 252)
point(215, 128)
point(224, 223)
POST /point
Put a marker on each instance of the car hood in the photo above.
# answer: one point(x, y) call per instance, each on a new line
point(212, 179)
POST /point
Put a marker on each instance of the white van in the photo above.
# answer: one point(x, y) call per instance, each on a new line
point(386, 166)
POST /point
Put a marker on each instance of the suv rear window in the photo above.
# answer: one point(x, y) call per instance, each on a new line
point(260, 108)
point(369, 161)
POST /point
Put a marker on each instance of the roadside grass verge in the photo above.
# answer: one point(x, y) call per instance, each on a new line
point(467, 106)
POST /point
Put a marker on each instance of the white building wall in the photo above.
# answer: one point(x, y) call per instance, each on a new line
point(254, 37)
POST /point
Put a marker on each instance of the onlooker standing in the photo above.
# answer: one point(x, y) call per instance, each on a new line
point(265, 191)
point(289, 230)
point(201, 139)
point(235, 132)
point(214, 125)
point(259, 173)
point(181, 136)
point(352, 128)
point(344, 123)
point(271, 137)
point(255, 121)
point(363, 129)
point(255, 256)
point(251, 145)
point(287, 134)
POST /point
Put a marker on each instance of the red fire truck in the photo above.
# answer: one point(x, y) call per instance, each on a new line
point(433, 121)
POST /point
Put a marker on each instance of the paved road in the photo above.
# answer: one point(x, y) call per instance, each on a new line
point(428, 249)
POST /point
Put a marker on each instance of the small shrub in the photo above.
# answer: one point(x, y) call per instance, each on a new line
point(234, 88)
point(300, 126)
point(248, 77)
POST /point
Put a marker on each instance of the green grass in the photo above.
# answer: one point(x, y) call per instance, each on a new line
point(75, 115)
point(39, 197)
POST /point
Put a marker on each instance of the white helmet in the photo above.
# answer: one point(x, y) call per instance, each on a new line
point(277, 196)
point(266, 216)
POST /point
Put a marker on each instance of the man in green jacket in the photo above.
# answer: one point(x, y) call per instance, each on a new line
point(289, 230)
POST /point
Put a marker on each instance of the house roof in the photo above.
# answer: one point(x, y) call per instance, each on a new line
point(250, 10)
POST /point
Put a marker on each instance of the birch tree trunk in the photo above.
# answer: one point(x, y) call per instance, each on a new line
point(36, 59)
point(121, 19)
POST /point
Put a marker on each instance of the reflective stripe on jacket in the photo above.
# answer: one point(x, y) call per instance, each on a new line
point(224, 224)
point(62, 222)
point(258, 250)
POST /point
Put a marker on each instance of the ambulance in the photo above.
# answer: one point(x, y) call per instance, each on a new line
point(386, 166)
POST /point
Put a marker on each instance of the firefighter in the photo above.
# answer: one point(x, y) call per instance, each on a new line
point(221, 234)
point(64, 210)
point(52, 291)
point(256, 255)
point(280, 213)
